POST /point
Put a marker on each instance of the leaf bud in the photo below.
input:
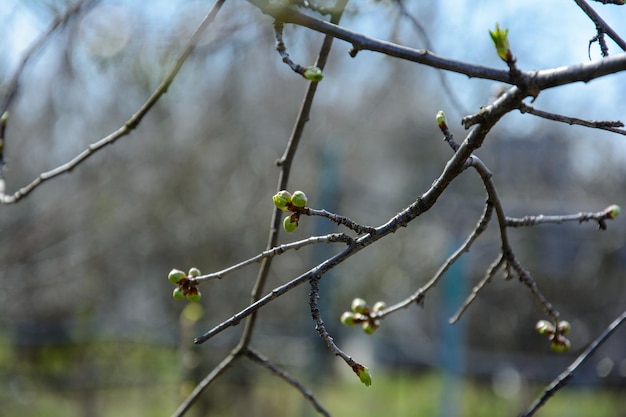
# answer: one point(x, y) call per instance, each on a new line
point(313, 74)
point(441, 120)
point(290, 223)
point(282, 199)
point(379, 306)
point(564, 327)
point(178, 293)
point(613, 211)
point(194, 296)
point(359, 305)
point(560, 344)
point(364, 375)
point(370, 326)
point(500, 38)
point(544, 327)
point(348, 318)
point(175, 276)
point(299, 199)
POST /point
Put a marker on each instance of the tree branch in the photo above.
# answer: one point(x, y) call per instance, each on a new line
point(276, 370)
point(130, 124)
point(568, 374)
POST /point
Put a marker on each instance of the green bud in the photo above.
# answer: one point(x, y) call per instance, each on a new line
point(564, 327)
point(313, 74)
point(441, 119)
point(370, 326)
point(613, 211)
point(194, 272)
point(175, 276)
point(364, 375)
point(299, 199)
point(194, 296)
point(560, 344)
point(282, 199)
point(348, 319)
point(178, 293)
point(379, 306)
point(500, 39)
point(544, 327)
point(290, 223)
point(359, 305)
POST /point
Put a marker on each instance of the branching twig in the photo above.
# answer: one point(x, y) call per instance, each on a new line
point(276, 370)
point(204, 384)
point(419, 295)
point(493, 269)
point(12, 85)
point(600, 217)
point(130, 124)
point(564, 378)
point(532, 80)
point(278, 250)
point(321, 329)
point(360, 229)
point(601, 25)
point(610, 125)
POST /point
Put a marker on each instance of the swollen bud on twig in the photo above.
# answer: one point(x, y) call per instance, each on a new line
point(282, 199)
point(364, 375)
point(313, 74)
point(370, 326)
point(348, 319)
point(441, 120)
point(175, 276)
point(194, 296)
point(194, 272)
point(544, 327)
point(379, 306)
point(360, 306)
point(178, 293)
point(500, 39)
point(613, 211)
point(564, 327)
point(290, 223)
point(560, 344)
point(299, 199)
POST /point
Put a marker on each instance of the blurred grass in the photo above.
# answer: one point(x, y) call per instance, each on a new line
point(137, 380)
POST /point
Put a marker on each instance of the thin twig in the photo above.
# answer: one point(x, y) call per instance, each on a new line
point(507, 252)
point(610, 125)
point(531, 80)
point(257, 357)
point(130, 124)
point(568, 374)
point(419, 295)
point(204, 384)
point(339, 220)
point(278, 250)
point(600, 23)
point(12, 85)
point(491, 271)
point(600, 217)
point(321, 329)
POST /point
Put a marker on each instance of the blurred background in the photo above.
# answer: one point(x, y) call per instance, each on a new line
point(88, 326)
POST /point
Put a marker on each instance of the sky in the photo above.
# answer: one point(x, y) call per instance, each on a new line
point(542, 34)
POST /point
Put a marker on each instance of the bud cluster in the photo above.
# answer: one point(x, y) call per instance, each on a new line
point(293, 203)
point(558, 342)
point(361, 313)
point(185, 284)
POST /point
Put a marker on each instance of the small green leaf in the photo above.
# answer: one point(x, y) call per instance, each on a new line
point(500, 38)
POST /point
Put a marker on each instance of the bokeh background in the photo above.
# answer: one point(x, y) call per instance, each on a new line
point(88, 326)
